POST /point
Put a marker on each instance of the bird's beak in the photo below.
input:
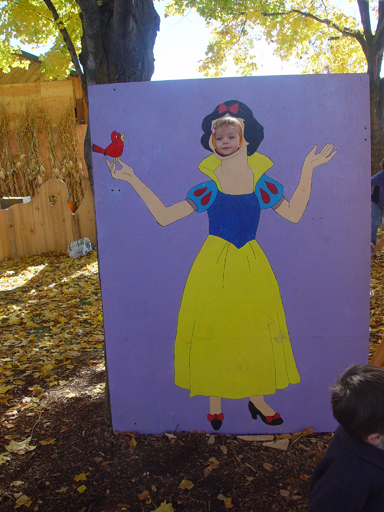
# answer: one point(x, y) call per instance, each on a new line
point(122, 137)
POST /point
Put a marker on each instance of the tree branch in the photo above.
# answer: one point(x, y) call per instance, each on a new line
point(355, 34)
point(347, 32)
point(68, 42)
point(380, 26)
point(365, 18)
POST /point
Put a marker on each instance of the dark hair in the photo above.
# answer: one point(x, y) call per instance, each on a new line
point(253, 131)
point(358, 400)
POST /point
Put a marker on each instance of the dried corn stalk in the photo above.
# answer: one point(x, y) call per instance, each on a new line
point(51, 134)
point(30, 130)
point(8, 176)
point(71, 166)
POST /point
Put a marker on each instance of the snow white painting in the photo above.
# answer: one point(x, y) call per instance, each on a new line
point(232, 334)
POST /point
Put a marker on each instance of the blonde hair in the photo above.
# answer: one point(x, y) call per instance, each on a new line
point(228, 121)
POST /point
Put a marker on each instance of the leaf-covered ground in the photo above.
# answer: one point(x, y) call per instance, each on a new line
point(58, 454)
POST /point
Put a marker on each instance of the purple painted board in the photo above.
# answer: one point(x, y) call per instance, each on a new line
point(322, 264)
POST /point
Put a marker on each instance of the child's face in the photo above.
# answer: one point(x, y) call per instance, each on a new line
point(227, 140)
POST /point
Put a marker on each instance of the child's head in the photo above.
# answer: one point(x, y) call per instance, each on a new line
point(227, 136)
point(358, 401)
point(253, 131)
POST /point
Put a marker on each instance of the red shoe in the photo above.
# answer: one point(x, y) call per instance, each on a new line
point(273, 421)
point(216, 420)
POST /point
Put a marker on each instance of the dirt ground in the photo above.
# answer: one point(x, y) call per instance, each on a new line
point(58, 454)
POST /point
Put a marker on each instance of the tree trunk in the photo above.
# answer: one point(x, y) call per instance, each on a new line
point(118, 40)
point(117, 46)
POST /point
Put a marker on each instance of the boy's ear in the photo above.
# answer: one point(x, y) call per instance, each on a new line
point(374, 439)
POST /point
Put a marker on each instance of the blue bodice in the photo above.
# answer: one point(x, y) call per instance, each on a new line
point(234, 218)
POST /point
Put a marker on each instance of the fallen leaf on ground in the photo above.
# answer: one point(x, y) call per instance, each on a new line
point(165, 507)
point(303, 433)
point(4, 457)
point(81, 489)
point(21, 447)
point(132, 443)
point(16, 483)
point(284, 493)
point(228, 503)
point(186, 484)
point(268, 466)
point(23, 501)
point(47, 441)
point(143, 496)
point(224, 449)
point(80, 477)
point(208, 471)
point(280, 444)
point(63, 489)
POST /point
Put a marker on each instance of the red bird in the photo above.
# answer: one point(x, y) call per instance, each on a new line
point(115, 149)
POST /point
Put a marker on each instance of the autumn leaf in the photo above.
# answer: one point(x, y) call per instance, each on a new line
point(227, 501)
point(143, 496)
point(20, 447)
point(4, 457)
point(186, 484)
point(48, 441)
point(81, 489)
point(16, 483)
point(132, 443)
point(31, 324)
point(62, 490)
point(23, 501)
point(165, 507)
point(81, 477)
point(303, 433)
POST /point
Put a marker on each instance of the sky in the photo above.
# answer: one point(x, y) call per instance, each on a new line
point(182, 42)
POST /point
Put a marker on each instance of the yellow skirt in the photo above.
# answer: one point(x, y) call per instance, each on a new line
point(232, 339)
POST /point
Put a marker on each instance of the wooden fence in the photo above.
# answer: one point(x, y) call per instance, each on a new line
point(45, 224)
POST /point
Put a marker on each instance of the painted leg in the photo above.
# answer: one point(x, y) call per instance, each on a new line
point(216, 416)
point(258, 407)
point(215, 405)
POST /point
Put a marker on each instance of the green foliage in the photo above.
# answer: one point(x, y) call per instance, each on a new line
point(30, 22)
point(317, 34)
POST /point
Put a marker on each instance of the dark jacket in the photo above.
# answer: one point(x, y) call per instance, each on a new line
point(349, 478)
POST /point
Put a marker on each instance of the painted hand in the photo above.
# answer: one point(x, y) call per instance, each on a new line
point(124, 174)
point(314, 159)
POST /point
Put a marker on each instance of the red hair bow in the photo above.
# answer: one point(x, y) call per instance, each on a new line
point(223, 108)
point(215, 417)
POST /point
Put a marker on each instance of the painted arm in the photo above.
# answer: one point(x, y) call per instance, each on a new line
point(164, 215)
point(294, 209)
